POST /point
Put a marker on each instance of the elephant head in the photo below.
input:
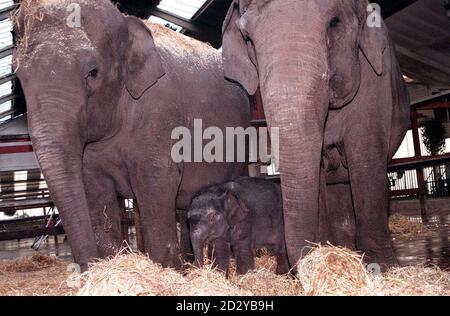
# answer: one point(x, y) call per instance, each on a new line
point(215, 214)
point(77, 79)
point(307, 57)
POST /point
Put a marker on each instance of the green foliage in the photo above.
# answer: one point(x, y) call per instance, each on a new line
point(434, 135)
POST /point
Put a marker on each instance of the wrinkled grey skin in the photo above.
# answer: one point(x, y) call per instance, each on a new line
point(334, 88)
point(245, 214)
point(102, 103)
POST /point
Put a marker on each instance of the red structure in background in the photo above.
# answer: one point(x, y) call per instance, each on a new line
point(257, 108)
point(418, 162)
point(15, 145)
point(437, 102)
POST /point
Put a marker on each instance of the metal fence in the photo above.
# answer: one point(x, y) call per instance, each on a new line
point(404, 184)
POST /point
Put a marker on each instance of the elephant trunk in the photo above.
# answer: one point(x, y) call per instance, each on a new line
point(198, 244)
point(58, 140)
point(295, 97)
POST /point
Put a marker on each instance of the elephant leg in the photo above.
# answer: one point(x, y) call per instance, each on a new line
point(185, 241)
point(341, 215)
point(282, 262)
point(243, 254)
point(370, 199)
point(105, 209)
point(219, 254)
point(156, 195)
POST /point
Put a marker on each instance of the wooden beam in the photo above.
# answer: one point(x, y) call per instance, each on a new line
point(25, 204)
point(7, 78)
point(26, 219)
point(6, 113)
point(422, 59)
point(202, 9)
point(7, 98)
point(433, 106)
point(6, 12)
point(418, 162)
point(31, 233)
point(6, 51)
point(404, 192)
point(16, 149)
point(391, 7)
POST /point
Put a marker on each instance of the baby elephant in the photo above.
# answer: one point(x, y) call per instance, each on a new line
point(246, 214)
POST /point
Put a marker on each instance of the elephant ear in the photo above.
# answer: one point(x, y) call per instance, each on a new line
point(235, 209)
point(373, 42)
point(237, 64)
point(144, 67)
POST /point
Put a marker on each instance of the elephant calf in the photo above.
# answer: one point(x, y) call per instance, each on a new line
point(246, 214)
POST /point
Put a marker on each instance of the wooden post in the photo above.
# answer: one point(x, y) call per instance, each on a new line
point(138, 227)
point(419, 172)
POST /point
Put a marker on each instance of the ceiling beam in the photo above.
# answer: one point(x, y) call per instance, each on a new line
point(202, 9)
point(424, 60)
point(139, 8)
point(197, 28)
point(6, 12)
point(391, 7)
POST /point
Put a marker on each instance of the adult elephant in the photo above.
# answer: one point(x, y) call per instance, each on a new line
point(103, 99)
point(333, 86)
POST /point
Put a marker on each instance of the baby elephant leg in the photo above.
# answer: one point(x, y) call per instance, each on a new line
point(244, 256)
point(219, 254)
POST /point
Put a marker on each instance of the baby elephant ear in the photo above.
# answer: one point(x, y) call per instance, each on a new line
point(144, 67)
point(235, 209)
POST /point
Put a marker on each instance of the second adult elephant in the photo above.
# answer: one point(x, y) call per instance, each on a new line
point(103, 99)
point(331, 82)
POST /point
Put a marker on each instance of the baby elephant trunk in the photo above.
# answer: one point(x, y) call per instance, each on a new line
point(198, 244)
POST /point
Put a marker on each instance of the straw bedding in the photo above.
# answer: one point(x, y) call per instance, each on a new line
point(327, 270)
point(406, 228)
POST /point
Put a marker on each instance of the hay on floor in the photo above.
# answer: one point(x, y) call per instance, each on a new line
point(35, 276)
point(403, 227)
point(326, 270)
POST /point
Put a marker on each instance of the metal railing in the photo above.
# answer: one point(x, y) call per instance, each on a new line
point(404, 184)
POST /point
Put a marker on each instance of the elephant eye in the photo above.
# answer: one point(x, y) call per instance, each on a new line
point(335, 22)
point(93, 73)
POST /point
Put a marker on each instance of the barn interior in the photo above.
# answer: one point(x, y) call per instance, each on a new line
point(419, 176)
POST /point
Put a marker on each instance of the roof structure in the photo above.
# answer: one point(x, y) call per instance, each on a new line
point(421, 33)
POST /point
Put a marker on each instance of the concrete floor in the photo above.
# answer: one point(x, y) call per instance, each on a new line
point(14, 249)
point(432, 249)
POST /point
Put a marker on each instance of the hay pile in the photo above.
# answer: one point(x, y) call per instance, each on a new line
point(134, 274)
point(36, 275)
point(327, 270)
point(338, 271)
point(405, 228)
